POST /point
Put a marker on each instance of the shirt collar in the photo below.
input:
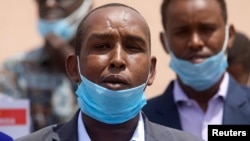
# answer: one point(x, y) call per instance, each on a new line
point(179, 94)
point(82, 133)
point(138, 135)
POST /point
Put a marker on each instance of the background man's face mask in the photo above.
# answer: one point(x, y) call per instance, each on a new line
point(203, 75)
point(65, 27)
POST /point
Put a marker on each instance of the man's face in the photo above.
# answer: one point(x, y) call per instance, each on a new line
point(55, 9)
point(115, 51)
point(195, 29)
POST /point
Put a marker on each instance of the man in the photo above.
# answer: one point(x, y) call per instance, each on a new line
point(238, 59)
point(197, 37)
point(112, 65)
point(40, 75)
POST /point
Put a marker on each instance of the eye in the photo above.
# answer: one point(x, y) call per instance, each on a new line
point(207, 29)
point(181, 31)
point(102, 46)
point(133, 47)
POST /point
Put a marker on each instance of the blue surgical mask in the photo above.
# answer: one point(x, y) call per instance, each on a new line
point(65, 27)
point(60, 28)
point(203, 75)
point(108, 106)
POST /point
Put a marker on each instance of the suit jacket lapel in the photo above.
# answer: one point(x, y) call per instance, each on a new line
point(167, 108)
point(68, 131)
point(237, 107)
point(155, 133)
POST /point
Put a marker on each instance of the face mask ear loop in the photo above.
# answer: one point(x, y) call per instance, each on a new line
point(78, 68)
point(248, 79)
point(147, 80)
point(78, 65)
point(224, 47)
point(148, 77)
point(81, 11)
point(226, 38)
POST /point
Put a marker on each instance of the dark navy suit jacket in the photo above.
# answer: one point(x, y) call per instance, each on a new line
point(163, 110)
point(68, 132)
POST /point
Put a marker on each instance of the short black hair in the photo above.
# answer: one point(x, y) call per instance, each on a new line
point(239, 53)
point(165, 4)
point(80, 29)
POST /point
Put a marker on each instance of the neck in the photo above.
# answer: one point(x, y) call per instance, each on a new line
point(118, 132)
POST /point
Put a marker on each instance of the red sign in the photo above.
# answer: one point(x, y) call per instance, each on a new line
point(12, 117)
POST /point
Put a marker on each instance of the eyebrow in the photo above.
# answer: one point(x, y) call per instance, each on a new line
point(100, 36)
point(127, 37)
point(136, 39)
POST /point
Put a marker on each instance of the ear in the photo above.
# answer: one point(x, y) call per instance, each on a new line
point(72, 68)
point(152, 71)
point(231, 36)
point(163, 41)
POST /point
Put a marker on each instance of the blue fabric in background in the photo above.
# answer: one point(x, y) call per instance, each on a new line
point(5, 137)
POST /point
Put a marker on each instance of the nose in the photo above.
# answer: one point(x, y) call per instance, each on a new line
point(118, 58)
point(50, 3)
point(195, 41)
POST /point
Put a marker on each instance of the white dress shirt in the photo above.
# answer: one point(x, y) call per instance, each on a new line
point(138, 135)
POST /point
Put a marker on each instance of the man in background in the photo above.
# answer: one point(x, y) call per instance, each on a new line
point(197, 36)
point(40, 75)
point(239, 59)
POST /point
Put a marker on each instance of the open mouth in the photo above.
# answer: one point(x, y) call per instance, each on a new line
point(115, 83)
point(198, 59)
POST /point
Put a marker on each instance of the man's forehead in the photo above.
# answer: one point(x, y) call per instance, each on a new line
point(116, 16)
point(112, 11)
point(107, 16)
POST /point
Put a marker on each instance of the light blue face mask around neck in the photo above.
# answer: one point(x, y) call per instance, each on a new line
point(203, 75)
point(108, 106)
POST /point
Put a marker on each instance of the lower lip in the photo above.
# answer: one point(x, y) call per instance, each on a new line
point(113, 86)
point(196, 61)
